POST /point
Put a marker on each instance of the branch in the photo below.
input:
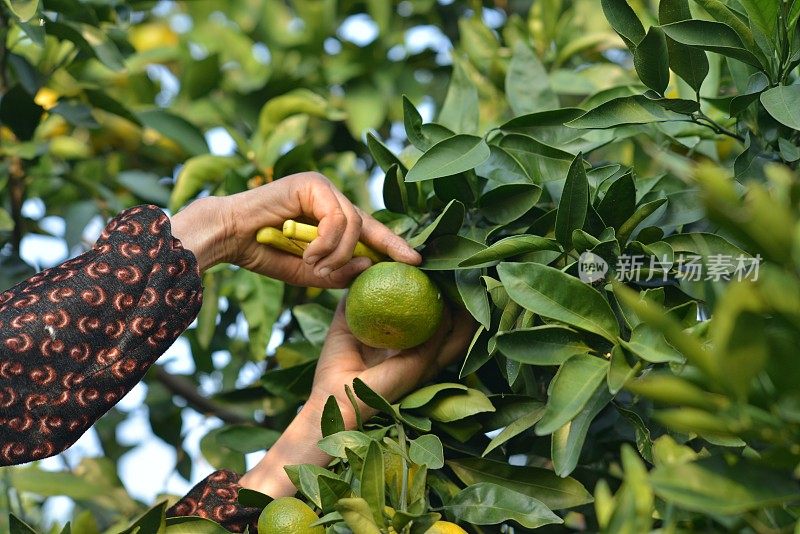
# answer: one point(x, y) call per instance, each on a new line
point(184, 388)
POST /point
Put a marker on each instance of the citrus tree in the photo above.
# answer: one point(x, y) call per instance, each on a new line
point(609, 188)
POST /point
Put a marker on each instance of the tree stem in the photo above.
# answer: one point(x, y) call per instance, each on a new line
point(185, 389)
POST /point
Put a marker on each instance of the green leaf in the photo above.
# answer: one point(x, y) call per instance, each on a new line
point(193, 525)
point(619, 370)
point(571, 388)
point(574, 203)
point(332, 420)
point(395, 191)
point(567, 442)
point(712, 36)
point(541, 345)
point(19, 112)
point(552, 293)
point(649, 344)
point(424, 395)
point(427, 450)
point(448, 251)
point(260, 299)
point(765, 14)
point(219, 455)
point(687, 62)
point(314, 320)
point(447, 223)
point(366, 108)
point(507, 202)
point(152, 520)
point(383, 156)
point(18, 526)
point(184, 133)
point(473, 294)
point(641, 213)
point(23, 9)
point(624, 21)
point(490, 504)
point(89, 39)
point(373, 399)
point(542, 484)
point(372, 481)
point(253, 499)
point(527, 86)
point(619, 202)
point(624, 110)
point(422, 136)
point(459, 112)
point(651, 59)
point(358, 515)
point(246, 438)
point(454, 405)
point(335, 444)
point(783, 103)
point(509, 247)
point(516, 428)
point(713, 485)
point(451, 156)
point(722, 13)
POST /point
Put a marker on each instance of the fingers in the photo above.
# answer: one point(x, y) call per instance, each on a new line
point(387, 242)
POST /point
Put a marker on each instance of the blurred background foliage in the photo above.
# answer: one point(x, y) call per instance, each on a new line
point(111, 104)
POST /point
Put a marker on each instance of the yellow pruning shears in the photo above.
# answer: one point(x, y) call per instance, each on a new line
point(296, 236)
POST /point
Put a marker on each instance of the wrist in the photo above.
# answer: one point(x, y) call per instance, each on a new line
point(201, 229)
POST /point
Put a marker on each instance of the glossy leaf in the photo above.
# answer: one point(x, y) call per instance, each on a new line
point(783, 103)
point(448, 251)
point(509, 247)
point(542, 484)
point(448, 222)
point(424, 395)
point(571, 388)
point(715, 486)
point(651, 59)
point(473, 294)
point(624, 21)
point(427, 450)
point(372, 481)
point(552, 293)
point(567, 442)
point(332, 420)
point(451, 156)
point(541, 345)
point(454, 405)
point(574, 203)
point(625, 110)
point(490, 504)
point(712, 36)
point(516, 427)
point(527, 85)
point(687, 62)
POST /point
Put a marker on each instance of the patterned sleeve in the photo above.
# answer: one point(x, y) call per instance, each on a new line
point(215, 498)
point(76, 338)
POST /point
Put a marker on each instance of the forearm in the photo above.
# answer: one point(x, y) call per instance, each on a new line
point(297, 445)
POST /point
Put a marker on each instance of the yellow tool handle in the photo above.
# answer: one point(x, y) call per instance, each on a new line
point(275, 238)
point(305, 232)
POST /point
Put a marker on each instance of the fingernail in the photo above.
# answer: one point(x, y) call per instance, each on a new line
point(323, 272)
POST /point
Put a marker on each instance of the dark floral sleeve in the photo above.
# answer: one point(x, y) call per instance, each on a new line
point(215, 498)
point(76, 338)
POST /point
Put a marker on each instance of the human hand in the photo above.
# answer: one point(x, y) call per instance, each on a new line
point(390, 373)
point(223, 229)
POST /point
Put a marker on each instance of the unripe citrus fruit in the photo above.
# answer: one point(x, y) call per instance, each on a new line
point(393, 306)
point(445, 527)
point(287, 514)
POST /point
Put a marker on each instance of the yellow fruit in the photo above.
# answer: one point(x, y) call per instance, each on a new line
point(46, 97)
point(288, 515)
point(445, 527)
point(152, 35)
point(393, 306)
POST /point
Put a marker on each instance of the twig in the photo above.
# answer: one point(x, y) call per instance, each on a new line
point(185, 389)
